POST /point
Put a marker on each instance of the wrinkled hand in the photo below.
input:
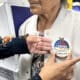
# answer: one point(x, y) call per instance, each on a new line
point(53, 70)
point(38, 44)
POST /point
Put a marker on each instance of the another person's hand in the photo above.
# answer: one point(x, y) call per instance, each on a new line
point(53, 70)
point(7, 39)
point(37, 44)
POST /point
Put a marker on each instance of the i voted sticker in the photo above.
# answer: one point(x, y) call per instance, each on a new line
point(61, 48)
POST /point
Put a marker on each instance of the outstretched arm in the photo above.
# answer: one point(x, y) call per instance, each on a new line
point(22, 45)
point(15, 46)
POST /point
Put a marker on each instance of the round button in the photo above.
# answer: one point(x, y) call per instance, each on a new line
point(61, 48)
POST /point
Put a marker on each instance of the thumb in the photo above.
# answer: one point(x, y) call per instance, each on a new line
point(52, 58)
point(69, 57)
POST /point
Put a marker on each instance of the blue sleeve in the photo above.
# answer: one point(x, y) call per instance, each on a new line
point(36, 77)
point(16, 46)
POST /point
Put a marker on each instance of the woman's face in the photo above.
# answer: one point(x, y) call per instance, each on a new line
point(42, 6)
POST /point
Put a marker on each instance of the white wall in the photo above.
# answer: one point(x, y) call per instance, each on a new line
point(6, 21)
point(17, 2)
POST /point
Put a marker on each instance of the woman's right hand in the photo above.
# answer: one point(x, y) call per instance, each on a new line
point(38, 44)
point(53, 70)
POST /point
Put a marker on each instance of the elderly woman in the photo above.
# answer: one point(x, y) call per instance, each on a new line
point(53, 20)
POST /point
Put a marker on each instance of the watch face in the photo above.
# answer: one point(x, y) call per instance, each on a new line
point(61, 48)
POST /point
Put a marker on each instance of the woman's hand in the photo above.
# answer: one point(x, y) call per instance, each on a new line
point(38, 44)
point(53, 70)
